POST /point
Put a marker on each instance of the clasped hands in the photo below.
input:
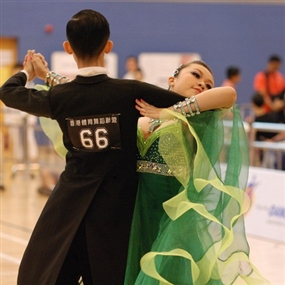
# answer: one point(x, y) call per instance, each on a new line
point(35, 65)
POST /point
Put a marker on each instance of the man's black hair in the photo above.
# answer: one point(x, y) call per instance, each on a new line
point(257, 99)
point(87, 32)
point(274, 57)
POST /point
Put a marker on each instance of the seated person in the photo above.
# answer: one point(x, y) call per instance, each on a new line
point(262, 115)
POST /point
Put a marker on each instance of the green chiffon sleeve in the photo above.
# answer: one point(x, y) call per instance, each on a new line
point(52, 130)
point(202, 237)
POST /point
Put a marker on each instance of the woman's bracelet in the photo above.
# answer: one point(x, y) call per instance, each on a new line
point(53, 79)
point(187, 103)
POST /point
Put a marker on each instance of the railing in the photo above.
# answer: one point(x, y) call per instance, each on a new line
point(27, 165)
point(278, 147)
point(24, 157)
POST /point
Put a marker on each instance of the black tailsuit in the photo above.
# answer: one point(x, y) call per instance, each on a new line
point(90, 210)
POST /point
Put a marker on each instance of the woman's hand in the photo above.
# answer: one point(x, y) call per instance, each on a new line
point(147, 110)
point(28, 66)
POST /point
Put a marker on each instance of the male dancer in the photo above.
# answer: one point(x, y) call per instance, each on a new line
point(84, 227)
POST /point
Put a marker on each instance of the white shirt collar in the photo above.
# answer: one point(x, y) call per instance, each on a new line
point(92, 70)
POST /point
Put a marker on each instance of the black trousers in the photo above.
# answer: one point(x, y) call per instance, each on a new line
point(76, 263)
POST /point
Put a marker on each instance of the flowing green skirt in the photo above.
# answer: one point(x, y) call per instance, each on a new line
point(189, 228)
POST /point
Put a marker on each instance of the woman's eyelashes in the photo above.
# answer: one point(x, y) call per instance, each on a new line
point(198, 76)
point(209, 86)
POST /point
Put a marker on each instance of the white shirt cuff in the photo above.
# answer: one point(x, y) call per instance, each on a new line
point(27, 74)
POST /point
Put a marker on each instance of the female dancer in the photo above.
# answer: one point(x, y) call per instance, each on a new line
point(188, 223)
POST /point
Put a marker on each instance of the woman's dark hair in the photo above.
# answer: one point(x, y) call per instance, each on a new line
point(200, 62)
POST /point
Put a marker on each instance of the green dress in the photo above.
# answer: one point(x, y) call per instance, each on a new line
point(188, 225)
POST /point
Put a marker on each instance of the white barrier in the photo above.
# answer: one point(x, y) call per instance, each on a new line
point(278, 147)
point(158, 66)
point(266, 216)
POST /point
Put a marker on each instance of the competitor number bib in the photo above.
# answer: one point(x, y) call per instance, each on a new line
point(95, 133)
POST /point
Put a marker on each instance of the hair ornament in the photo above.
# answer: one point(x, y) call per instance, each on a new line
point(177, 70)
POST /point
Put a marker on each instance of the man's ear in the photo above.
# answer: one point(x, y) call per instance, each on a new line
point(108, 47)
point(67, 47)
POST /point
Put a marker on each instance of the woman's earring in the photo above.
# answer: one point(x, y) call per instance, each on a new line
point(170, 86)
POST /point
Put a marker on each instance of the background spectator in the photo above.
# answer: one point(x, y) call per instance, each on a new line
point(233, 76)
point(133, 70)
point(270, 83)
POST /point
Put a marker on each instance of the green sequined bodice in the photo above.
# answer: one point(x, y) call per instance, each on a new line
point(149, 159)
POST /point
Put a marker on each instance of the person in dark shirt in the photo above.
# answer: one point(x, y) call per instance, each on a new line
point(261, 115)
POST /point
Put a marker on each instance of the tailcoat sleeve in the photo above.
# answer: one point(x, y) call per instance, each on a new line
point(157, 96)
point(15, 95)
